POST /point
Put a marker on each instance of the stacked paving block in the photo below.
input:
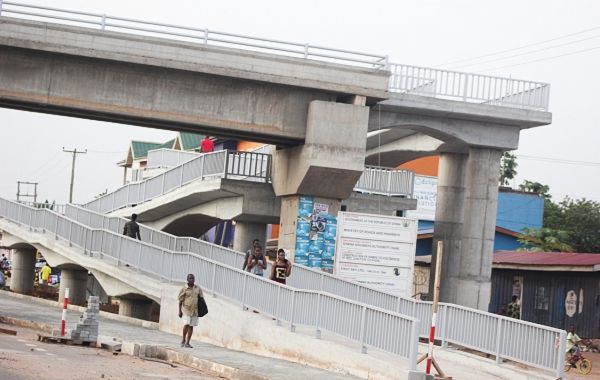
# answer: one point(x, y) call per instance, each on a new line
point(86, 330)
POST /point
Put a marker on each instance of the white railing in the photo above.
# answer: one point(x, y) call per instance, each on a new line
point(386, 181)
point(475, 329)
point(167, 158)
point(222, 164)
point(192, 34)
point(59, 208)
point(467, 87)
point(359, 322)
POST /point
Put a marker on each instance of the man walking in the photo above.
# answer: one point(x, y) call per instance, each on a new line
point(188, 309)
point(132, 229)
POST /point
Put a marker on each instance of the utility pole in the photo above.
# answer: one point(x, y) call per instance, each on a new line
point(75, 152)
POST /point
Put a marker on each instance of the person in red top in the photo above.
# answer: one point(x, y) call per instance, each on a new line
point(207, 145)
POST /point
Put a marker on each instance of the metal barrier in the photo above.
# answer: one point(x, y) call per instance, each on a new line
point(365, 324)
point(167, 158)
point(191, 34)
point(386, 181)
point(222, 164)
point(469, 87)
point(59, 208)
point(478, 330)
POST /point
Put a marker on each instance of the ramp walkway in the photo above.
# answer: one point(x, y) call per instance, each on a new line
point(528, 343)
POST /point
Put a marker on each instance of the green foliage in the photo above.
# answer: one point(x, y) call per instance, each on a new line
point(544, 240)
point(535, 187)
point(508, 168)
point(581, 218)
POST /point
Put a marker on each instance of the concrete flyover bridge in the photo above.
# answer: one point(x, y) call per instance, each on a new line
point(328, 110)
point(188, 198)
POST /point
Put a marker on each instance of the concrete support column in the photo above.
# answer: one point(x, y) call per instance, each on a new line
point(481, 204)
point(289, 218)
point(246, 232)
point(76, 280)
point(23, 271)
point(449, 217)
point(135, 308)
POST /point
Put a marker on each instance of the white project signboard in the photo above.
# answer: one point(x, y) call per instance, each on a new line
point(425, 192)
point(377, 251)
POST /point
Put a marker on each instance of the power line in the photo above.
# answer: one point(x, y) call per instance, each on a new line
point(520, 47)
point(524, 53)
point(540, 59)
point(558, 160)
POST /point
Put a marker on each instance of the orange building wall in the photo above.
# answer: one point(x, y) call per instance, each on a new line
point(424, 165)
point(248, 145)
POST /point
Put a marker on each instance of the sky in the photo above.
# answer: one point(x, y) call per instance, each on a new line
point(551, 41)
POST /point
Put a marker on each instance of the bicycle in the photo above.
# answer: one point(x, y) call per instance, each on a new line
point(575, 359)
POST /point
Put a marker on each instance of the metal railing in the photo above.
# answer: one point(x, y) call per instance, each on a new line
point(468, 87)
point(222, 164)
point(475, 329)
point(166, 158)
point(366, 324)
point(386, 181)
point(59, 208)
point(192, 34)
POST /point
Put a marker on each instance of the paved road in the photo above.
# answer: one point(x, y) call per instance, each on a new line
point(22, 357)
point(252, 364)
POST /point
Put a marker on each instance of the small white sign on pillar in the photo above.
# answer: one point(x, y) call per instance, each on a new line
point(377, 251)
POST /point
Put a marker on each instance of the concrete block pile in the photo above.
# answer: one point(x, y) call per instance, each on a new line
point(87, 327)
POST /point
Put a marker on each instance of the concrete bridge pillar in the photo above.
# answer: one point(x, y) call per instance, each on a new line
point(76, 280)
point(135, 308)
point(23, 270)
point(449, 218)
point(246, 232)
point(481, 206)
point(327, 166)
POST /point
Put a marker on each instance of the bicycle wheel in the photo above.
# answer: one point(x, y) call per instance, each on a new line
point(584, 366)
point(567, 367)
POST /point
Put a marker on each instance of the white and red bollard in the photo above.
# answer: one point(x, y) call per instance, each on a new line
point(431, 340)
point(63, 321)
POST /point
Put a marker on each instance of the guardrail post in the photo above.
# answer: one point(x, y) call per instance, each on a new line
point(277, 306)
point(214, 279)
point(306, 46)
point(560, 357)
point(202, 167)
point(171, 268)
point(465, 87)
point(44, 222)
point(292, 327)
point(70, 232)
point(414, 345)
point(85, 236)
point(499, 341)
point(0, 7)
point(446, 319)
point(162, 261)
point(206, 36)
point(363, 327)
point(56, 229)
point(318, 321)
point(226, 168)
point(103, 22)
point(244, 292)
point(139, 261)
point(119, 252)
point(30, 220)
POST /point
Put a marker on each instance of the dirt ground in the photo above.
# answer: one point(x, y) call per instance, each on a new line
point(22, 357)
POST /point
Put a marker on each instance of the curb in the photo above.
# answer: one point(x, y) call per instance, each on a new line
point(151, 351)
point(81, 309)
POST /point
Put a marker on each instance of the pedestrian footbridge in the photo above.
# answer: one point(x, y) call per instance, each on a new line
point(337, 311)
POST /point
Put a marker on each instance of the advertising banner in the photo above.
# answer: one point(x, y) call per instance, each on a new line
point(425, 191)
point(377, 251)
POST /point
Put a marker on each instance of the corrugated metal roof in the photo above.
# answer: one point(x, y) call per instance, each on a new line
point(546, 258)
point(190, 140)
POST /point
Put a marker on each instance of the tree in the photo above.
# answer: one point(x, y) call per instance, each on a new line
point(581, 218)
point(535, 187)
point(544, 240)
point(508, 168)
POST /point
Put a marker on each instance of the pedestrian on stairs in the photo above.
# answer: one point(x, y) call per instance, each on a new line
point(132, 229)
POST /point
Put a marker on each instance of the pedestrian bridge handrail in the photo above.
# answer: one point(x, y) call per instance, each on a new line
point(513, 339)
point(222, 164)
point(366, 324)
point(167, 158)
point(469, 87)
point(386, 181)
point(192, 34)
